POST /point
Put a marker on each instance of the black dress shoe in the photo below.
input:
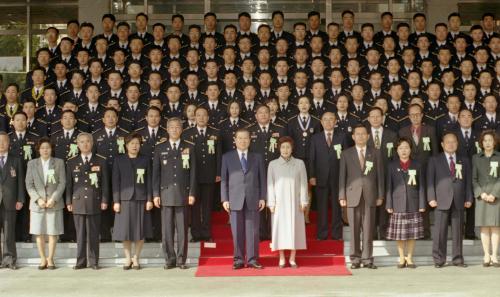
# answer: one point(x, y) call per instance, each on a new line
point(95, 267)
point(438, 265)
point(183, 266)
point(355, 266)
point(370, 266)
point(127, 267)
point(237, 266)
point(463, 265)
point(51, 267)
point(486, 264)
point(137, 267)
point(12, 266)
point(42, 267)
point(412, 266)
point(169, 266)
point(78, 267)
point(255, 265)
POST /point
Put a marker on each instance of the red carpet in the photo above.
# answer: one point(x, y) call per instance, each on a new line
point(322, 258)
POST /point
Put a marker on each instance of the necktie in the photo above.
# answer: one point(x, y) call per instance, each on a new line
point(329, 139)
point(213, 106)
point(342, 118)
point(77, 95)
point(21, 136)
point(175, 146)
point(192, 97)
point(11, 109)
point(264, 130)
point(359, 108)
point(397, 106)
point(453, 119)
point(470, 106)
point(243, 162)
point(29, 125)
point(202, 133)
point(132, 107)
point(249, 107)
point(304, 121)
point(86, 160)
point(110, 133)
point(2, 161)
point(60, 85)
point(67, 135)
point(234, 122)
point(283, 107)
point(37, 92)
point(318, 105)
point(153, 134)
point(377, 140)
point(282, 81)
point(92, 109)
point(362, 158)
point(301, 93)
point(452, 166)
point(467, 137)
point(415, 136)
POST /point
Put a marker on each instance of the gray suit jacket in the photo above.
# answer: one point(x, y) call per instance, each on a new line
point(353, 182)
point(38, 189)
point(237, 186)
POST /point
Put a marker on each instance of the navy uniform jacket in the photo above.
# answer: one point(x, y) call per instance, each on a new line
point(468, 148)
point(109, 146)
point(25, 148)
point(208, 152)
point(445, 188)
point(172, 181)
point(401, 196)
point(148, 143)
point(81, 125)
point(129, 182)
point(12, 184)
point(228, 131)
point(432, 115)
point(445, 124)
point(133, 117)
point(302, 138)
point(38, 127)
point(215, 116)
point(324, 161)
point(63, 146)
point(94, 119)
point(84, 195)
point(262, 143)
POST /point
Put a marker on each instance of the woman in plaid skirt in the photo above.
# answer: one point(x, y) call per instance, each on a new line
point(405, 202)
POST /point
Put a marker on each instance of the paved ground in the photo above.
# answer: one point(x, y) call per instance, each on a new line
point(386, 281)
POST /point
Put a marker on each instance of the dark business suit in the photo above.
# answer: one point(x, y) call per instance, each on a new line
point(12, 190)
point(174, 183)
point(86, 198)
point(450, 193)
point(361, 192)
point(323, 165)
point(243, 190)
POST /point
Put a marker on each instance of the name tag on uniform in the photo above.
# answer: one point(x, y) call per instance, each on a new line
point(95, 168)
point(164, 162)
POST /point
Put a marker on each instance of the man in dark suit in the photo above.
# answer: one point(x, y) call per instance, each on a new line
point(87, 194)
point(449, 190)
point(361, 189)
point(384, 141)
point(323, 174)
point(12, 199)
point(208, 151)
point(174, 188)
point(243, 195)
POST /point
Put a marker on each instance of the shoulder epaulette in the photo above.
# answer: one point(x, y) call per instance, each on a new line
point(315, 117)
point(101, 156)
point(80, 120)
point(72, 157)
point(192, 143)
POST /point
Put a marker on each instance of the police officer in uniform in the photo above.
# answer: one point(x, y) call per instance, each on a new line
point(174, 188)
point(109, 142)
point(207, 148)
point(87, 194)
point(264, 140)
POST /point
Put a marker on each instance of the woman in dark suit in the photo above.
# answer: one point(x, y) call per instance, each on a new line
point(486, 185)
point(132, 199)
point(405, 201)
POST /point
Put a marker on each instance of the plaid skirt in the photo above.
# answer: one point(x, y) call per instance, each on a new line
point(404, 226)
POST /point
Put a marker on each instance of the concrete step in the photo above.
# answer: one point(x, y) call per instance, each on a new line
point(111, 254)
point(347, 233)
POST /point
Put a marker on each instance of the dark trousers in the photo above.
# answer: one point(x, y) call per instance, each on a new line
point(87, 236)
point(69, 226)
point(245, 230)
point(8, 226)
point(265, 224)
point(326, 196)
point(107, 221)
point(470, 221)
point(23, 224)
point(201, 212)
point(440, 236)
point(382, 221)
point(361, 218)
point(156, 220)
point(174, 218)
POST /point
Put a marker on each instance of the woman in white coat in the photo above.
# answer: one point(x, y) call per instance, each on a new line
point(287, 201)
point(45, 184)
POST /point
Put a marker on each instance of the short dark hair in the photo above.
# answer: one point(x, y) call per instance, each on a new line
point(108, 16)
point(41, 141)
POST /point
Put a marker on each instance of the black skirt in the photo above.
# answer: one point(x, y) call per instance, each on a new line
point(133, 222)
